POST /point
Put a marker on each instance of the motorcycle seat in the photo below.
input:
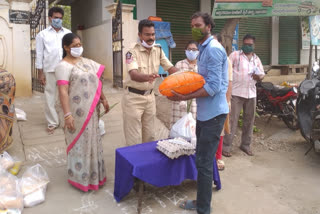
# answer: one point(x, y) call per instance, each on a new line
point(279, 92)
point(267, 86)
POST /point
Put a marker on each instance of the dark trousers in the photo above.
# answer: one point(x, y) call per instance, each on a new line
point(208, 136)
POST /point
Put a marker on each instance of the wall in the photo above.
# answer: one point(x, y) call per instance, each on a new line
point(97, 44)
point(275, 41)
point(146, 8)
point(105, 14)
point(86, 13)
point(205, 6)
point(304, 56)
point(16, 48)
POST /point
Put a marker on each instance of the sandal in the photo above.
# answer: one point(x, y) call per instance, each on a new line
point(247, 151)
point(189, 205)
point(220, 164)
point(51, 129)
point(227, 154)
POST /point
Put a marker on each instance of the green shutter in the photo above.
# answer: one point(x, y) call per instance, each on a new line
point(178, 13)
point(289, 45)
point(219, 24)
point(261, 29)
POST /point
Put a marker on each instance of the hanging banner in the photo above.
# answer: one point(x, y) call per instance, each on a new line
point(262, 8)
point(235, 39)
point(305, 33)
point(314, 22)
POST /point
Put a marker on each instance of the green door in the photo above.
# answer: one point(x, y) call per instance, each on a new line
point(289, 41)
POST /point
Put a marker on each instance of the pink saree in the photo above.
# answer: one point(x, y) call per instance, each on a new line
point(86, 167)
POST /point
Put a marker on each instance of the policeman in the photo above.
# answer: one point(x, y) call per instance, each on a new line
point(138, 103)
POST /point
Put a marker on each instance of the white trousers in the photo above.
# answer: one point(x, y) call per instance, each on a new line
point(50, 93)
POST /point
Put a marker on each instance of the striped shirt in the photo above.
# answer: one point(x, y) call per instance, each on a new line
point(243, 85)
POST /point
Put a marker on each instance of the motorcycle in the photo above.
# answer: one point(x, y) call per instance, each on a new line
point(278, 102)
point(308, 108)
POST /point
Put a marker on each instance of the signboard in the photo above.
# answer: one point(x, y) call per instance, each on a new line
point(235, 39)
point(19, 16)
point(305, 33)
point(262, 8)
point(314, 22)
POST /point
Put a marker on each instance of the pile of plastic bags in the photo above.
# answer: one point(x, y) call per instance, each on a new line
point(15, 193)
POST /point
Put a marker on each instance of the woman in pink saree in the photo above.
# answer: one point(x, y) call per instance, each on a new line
point(80, 93)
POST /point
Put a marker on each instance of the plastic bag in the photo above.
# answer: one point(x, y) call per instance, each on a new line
point(16, 168)
point(21, 115)
point(10, 195)
point(10, 211)
point(185, 128)
point(6, 161)
point(101, 127)
point(33, 185)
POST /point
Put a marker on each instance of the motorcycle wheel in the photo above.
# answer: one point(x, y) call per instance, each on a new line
point(291, 119)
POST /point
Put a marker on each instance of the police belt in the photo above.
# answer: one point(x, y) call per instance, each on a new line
point(141, 92)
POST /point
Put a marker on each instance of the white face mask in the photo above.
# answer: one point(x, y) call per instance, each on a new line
point(76, 52)
point(192, 55)
point(144, 44)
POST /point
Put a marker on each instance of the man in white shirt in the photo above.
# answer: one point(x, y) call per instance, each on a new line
point(48, 54)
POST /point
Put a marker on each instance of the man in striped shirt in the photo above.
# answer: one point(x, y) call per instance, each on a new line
point(247, 70)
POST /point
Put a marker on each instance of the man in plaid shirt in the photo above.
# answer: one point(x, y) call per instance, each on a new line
point(247, 70)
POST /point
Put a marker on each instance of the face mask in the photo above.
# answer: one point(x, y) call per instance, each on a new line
point(76, 52)
point(144, 44)
point(56, 23)
point(192, 55)
point(247, 48)
point(197, 34)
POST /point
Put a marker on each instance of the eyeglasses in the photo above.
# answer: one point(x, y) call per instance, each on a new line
point(192, 49)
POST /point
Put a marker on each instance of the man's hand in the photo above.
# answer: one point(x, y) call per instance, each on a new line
point(177, 97)
point(256, 77)
point(41, 77)
point(152, 77)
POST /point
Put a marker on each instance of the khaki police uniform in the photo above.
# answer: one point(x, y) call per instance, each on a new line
point(138, 102)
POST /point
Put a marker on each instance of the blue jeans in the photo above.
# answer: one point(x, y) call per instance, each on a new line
point(208, 136)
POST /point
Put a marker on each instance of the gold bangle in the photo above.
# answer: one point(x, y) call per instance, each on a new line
point(66, 118)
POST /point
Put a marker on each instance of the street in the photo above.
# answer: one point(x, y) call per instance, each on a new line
point(279, 179)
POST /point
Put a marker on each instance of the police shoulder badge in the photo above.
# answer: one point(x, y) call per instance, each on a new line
point(129, 57)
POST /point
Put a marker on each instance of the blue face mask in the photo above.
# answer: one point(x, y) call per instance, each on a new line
point(56, 23)
point(192, 55)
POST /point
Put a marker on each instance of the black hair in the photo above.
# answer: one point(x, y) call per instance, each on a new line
point(191, 42)
point(218, 37)
point(55, 10)
point(67, 40)
point(145, 23)
point(207, 18)
point(249, 36)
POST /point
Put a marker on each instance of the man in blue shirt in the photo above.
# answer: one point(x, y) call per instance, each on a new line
point(212, 107)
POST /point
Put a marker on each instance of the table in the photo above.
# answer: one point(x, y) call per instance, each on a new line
point(145, 162)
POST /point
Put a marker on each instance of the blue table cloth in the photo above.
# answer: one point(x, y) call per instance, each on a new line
point(146, 163)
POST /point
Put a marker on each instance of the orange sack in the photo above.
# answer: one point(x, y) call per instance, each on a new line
point(182, 83)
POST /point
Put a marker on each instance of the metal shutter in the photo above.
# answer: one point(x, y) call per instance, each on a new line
point(178, 13)
point(289, 41)
point(261, 29)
